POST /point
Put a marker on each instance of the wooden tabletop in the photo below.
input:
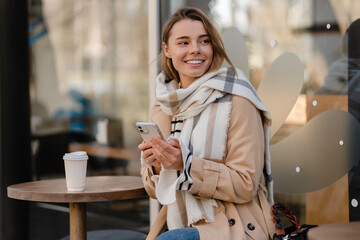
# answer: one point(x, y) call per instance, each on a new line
point(348, 231)
point(97, 189)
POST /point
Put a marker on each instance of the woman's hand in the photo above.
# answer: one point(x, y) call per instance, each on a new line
point(168, 154)
point(158, 152)
point(148, 155)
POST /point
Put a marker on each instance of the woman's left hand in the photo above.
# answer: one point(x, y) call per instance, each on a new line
point(168, 154)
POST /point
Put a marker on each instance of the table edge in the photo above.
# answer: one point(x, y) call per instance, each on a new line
point(67, 197)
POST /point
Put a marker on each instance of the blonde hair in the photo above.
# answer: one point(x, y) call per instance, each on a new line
point(219, 53)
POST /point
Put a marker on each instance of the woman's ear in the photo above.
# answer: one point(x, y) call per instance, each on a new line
point(166, 50)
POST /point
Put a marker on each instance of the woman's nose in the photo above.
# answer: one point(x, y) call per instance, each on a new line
point(195, 48)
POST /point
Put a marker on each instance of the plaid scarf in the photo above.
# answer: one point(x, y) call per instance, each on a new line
point(201, 116)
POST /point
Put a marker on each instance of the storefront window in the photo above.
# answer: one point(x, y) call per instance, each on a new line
point(305, 40)
point(89, 86)
point(89, 68)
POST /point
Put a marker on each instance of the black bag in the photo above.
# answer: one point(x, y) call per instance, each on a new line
point(294, 232)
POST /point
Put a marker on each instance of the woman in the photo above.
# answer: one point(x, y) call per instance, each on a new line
point(209, 174)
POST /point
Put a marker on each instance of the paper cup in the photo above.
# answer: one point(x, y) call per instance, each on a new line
point(75, 170)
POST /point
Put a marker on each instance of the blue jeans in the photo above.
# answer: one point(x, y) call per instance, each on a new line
point(180, 234)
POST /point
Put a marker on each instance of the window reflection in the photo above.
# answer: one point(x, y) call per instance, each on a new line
point(89, 76)
point(89, 85)
point(91, 64)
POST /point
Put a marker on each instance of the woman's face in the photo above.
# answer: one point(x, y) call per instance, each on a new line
point(190, 49)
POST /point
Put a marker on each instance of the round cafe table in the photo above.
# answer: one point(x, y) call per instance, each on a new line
point(337, 231)
point(97, 189)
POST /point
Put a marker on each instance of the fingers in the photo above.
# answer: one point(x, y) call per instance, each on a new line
point(143, 146)
point(168, 154)
point(146, 145)
point(157, 153)
point(147, 153)
point(174, 143)
point(150, 159)
point(156, 165)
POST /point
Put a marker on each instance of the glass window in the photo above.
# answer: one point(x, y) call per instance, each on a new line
point(89, 69)
point(89, 85)
point(316, 33)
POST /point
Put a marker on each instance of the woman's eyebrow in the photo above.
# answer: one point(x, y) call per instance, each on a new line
point(182, 37)
point(186, 37)
point(204, 35)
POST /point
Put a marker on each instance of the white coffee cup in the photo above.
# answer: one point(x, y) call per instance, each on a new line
point(75, 170)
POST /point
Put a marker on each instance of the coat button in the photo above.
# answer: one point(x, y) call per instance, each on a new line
point(231, 222)
point(251, 227)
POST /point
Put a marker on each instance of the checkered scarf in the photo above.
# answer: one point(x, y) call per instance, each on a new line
point(203, 109)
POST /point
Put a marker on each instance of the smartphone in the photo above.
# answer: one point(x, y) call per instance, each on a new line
point(148, 130)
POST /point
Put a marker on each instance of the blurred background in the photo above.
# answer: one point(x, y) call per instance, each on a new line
point(84, 75)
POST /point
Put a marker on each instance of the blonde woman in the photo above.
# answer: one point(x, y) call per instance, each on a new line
point(212, 174)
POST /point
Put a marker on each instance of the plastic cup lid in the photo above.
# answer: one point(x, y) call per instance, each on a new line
point(79, 155)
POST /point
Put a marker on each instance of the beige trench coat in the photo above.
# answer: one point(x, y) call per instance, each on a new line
point(237, 182)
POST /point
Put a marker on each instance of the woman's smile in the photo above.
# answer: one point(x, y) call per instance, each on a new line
point(195, 62)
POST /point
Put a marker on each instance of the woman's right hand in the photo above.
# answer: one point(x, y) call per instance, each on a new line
point(148, 155)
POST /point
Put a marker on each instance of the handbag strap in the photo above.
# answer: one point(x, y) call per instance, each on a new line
point(275, 208)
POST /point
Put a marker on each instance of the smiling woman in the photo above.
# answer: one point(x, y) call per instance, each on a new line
point(212, 174)
point(190, 50)
point(191, 37)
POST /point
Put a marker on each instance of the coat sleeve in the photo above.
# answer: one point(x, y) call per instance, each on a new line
point(164, 123)
point(149, 185)
point(237, 178)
